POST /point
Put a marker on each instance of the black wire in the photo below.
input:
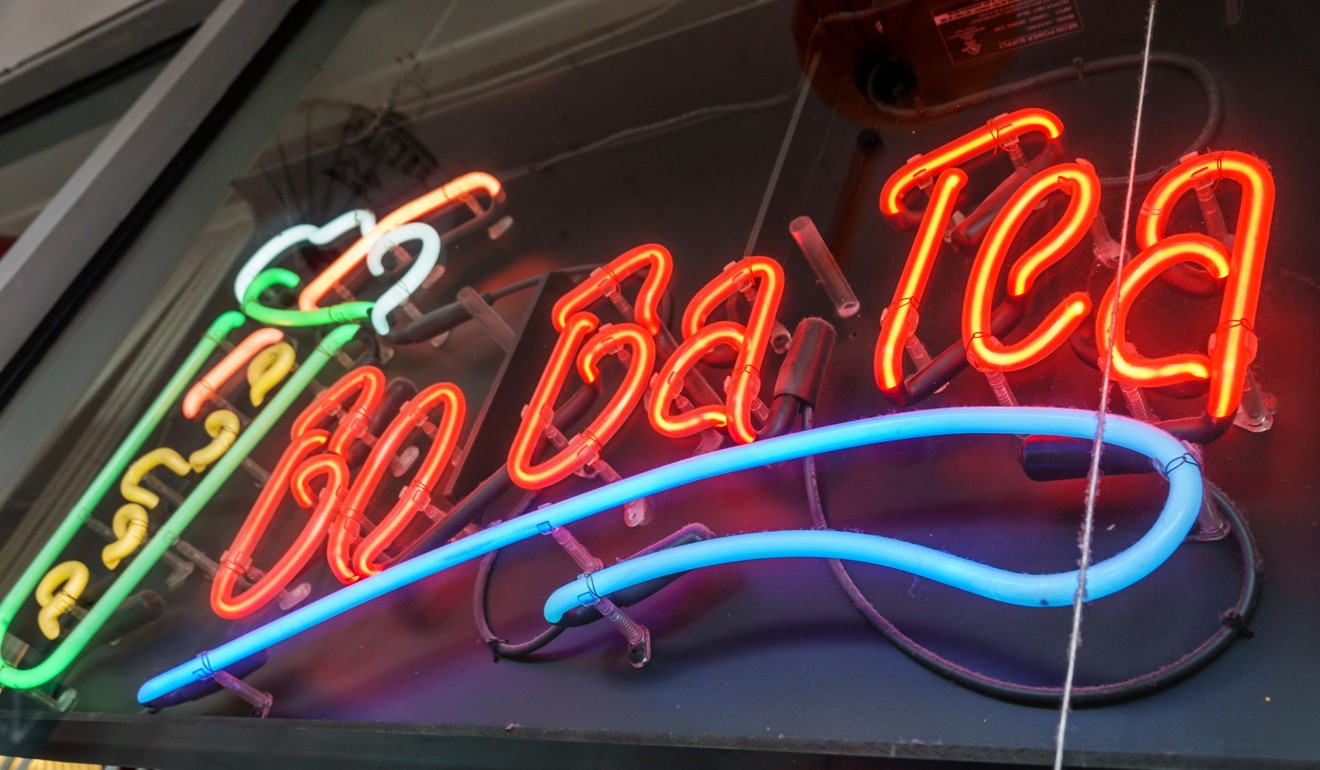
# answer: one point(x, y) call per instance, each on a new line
point(481, 614)
point(502, 648)
point(1234, 621)
point(452, 314)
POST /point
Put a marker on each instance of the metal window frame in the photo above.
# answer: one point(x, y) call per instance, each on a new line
point(73, 286)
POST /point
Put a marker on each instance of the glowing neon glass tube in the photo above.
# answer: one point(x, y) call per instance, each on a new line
point(344, 312)
point(998, 131)
point(209, 385)
point(1079, 182)
point(429, 204)
point(586, 445)
point(411, 280)
point(1235, 341)
point(1129, 366)
point(237, 559)
point(59, 658)
point(605, 282)
point(416, 496)
point(899, 322)
point(354, 422)
point(361, 220)
point(700, 338)
point(1113, 574)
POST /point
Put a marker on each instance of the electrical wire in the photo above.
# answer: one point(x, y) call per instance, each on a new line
point(1080, 69)
point(1234, 620)
point(499, 647)
point(444, 318)
point(637, 133)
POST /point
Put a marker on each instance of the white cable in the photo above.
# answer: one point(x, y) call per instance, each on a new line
point(1093, 475)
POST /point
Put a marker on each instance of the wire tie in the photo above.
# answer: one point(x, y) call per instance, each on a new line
point(1234, 620)
point(204, 661)
point(590, 597)
point(1185, 458)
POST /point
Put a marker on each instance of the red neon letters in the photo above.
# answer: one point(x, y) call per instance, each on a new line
point(291, 471)
point(1128, 365)
point(339, 508)
point(415, 497)
point(762, 280)
point(1079, 182)
point(574, 322)
point(368, 383)
point(586, 446)
point(899, 321)
point(605, 281)
point(1002, 132)
point(1233, 345)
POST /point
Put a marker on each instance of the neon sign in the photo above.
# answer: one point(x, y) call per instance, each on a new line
point(317, 466)
point(1117, 572)
point(761, 281)
point(1233, 344)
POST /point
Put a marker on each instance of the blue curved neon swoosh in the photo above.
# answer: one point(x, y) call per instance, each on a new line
point(1175, 520)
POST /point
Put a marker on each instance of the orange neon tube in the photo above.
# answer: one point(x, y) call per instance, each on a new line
point(428, 204)
point(293, 470)
point(368, 382)
point(900, 320)
point(1234, 345)
point(416, 496)
point(1079, 182)
point(605, 282)
point(209, 385)
point(1129, 366)
point(998, 131)
point(745, 381)
point(586, 445)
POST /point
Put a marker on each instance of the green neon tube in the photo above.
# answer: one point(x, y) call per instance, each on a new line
point(110, 474)
point(73, 644)
point(344, 312)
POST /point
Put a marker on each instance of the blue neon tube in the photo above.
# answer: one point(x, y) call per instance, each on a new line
point(1175, 520)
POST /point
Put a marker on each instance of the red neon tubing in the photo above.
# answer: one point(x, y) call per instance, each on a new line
point(586, 445)
point(290, 471)
point(900, 320)
point(429, 204)
point(1079, 182)
point(745, 380)
point(210, 383)
point(1129, 366)
point(368, 383)
point(988, 138)
point(669, 382)
point(1234, 345)
point(416, 497)
point(604, 281)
